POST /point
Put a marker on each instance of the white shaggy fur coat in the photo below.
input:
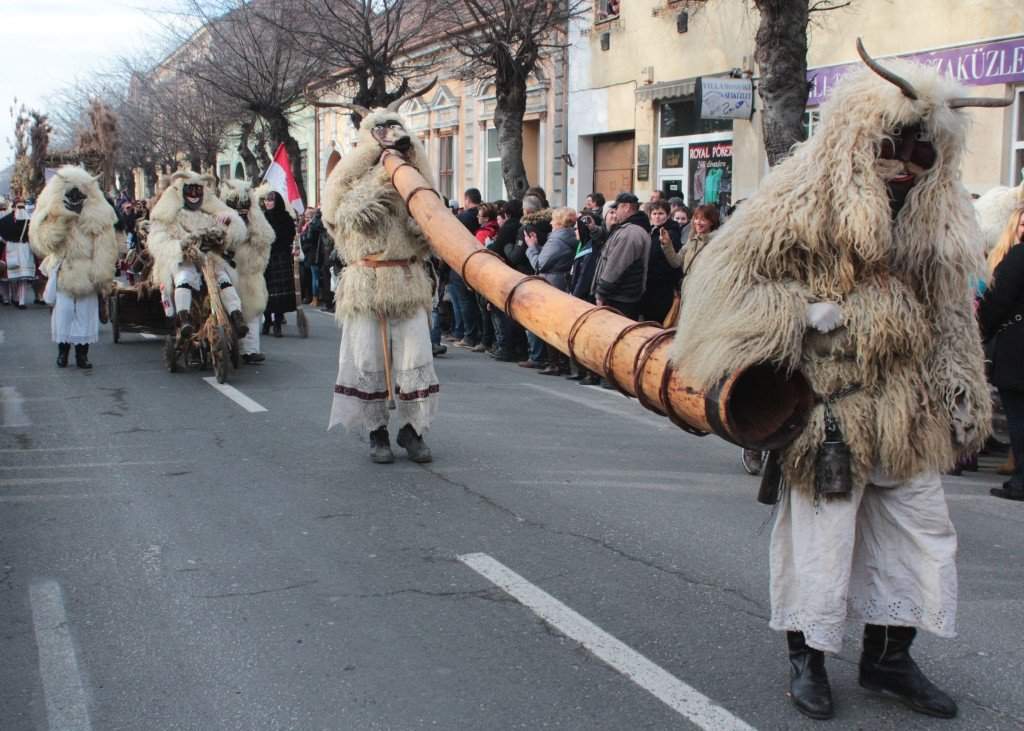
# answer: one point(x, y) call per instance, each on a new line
point(82, 243)
point(366, 216)
point(252, 254)
point(820, 229)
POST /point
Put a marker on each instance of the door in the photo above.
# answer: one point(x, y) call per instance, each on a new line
point(613, 164)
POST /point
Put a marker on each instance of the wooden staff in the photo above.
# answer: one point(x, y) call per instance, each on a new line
point(386, 349)
point(758, 408)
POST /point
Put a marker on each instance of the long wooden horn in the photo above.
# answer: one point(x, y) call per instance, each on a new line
point(393, 106)
point(905, 86)
point(760, 407)
point(979, 101)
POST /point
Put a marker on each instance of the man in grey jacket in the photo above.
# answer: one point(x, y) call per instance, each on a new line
point(621, 274)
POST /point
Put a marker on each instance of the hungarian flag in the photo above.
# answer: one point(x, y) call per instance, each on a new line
point(280, 177)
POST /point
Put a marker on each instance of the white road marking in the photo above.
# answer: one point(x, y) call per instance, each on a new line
point(641, 418)
point(50, 449)
point(150, 336)
point(66, 707)
point(110, 495)
point(680, 697)
point(235, 395)
point(19, 481)
point(89, 465)
point(13, 407)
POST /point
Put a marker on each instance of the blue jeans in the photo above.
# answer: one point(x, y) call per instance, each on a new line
point(537, 347)
point(499, 321)
point(314, 281)
point(465, 304)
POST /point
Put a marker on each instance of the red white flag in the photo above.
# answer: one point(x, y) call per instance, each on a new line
point(280, 177)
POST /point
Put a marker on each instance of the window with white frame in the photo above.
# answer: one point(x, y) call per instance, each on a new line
point(812, 118)
point(494, 183)
point(1017, 143)
point(446, 166)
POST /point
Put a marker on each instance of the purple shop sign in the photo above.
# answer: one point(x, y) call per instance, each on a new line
point(996, 62)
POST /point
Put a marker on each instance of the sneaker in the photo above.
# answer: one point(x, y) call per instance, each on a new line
point(465, 344)
point(1008, 491)
point(449, 339)
point(550, 371)
point(439, 350)
point(479, 348)
point(529, 364)
point(504, 357)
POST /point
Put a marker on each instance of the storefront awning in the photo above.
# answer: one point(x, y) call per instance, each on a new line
point(666, 90)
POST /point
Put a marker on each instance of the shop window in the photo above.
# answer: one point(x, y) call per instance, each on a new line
point(239, 171)
point(446, 166)
point(679, 118)
point(495, 184)
point(303, 166)
point(1017, 150)
point(225, 172)
point(812, 118)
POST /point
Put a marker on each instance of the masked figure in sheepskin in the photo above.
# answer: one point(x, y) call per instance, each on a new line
point(854, 264)
point(384, 294)
point(188, 217)
point(73, 228)
point(249, 260)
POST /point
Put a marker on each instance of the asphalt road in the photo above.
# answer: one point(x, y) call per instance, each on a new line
point(170, 560)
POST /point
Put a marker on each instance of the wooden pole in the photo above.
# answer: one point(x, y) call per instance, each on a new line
point(758, 408)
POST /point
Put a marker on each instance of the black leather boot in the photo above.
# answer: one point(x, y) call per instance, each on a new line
point(886, 667)
point(380, 446)
point(808, 681)
point(238, 322)
point(82, 356)
point(63, 349)
point(414, 445)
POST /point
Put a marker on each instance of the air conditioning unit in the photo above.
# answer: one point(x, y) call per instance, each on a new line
point(606, 41)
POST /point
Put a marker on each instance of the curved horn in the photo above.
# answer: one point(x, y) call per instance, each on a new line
point(979, 101)
point(904, 85)
point(360, 110)
point(393, 106)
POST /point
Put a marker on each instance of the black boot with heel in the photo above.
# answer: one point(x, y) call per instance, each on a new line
point(808, 681)
point(82, 357)
point(886, 667)
point(63, 349)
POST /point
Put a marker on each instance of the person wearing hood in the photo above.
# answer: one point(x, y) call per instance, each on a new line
point(621, 274)
point(280, 273)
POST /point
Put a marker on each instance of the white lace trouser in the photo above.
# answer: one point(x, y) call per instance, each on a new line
point(360, 392)
point(886, 555)
point(188, 279)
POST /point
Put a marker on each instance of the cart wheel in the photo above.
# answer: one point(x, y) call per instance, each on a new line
point(170, 353)
point(112, 315)
point(220, 353)
point(753, 461)
point(302, 322)
point(235, 350)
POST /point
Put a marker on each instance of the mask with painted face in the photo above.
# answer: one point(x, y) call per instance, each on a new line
point(392, 136)
point(193, 195)
point(903, 155)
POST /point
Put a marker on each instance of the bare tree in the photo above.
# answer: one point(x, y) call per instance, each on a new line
point(371, 46)
point(243, 53)
point(508, 40)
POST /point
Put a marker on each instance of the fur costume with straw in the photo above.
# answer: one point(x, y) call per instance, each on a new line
point(868, 222)
point(384, 295)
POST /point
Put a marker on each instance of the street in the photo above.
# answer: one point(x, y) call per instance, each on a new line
point(174, 557)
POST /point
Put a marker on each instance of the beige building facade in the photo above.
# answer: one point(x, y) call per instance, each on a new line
point(633, 121)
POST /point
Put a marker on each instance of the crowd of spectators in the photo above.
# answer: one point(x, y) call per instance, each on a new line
point(622, 254)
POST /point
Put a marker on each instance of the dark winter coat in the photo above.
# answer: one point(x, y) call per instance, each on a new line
point(506, 237)
point(310, 241)
point(585, 264)
point(621, 274)
point(280, 273)
point(469, 220)
point(1001, 314)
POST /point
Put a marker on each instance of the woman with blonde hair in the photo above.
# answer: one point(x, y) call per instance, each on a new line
point(1001, 313)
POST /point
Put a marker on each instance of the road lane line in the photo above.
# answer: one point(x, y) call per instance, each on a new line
point(680, 697)
point(13, 407)
point(150, 336)
point(235, 395)
point(641, 418)
point(19, 481)
point(90, 465)
point(66, 707)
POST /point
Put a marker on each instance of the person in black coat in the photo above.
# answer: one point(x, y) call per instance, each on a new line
point(1001, 315)
point(506, 349)
point(662, 278)
point(280, 273)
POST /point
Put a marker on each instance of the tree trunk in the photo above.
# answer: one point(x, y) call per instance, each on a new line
point(510, 106)
point(280, 134)
point(261, 151)
point(252, 168)
point(781, 54)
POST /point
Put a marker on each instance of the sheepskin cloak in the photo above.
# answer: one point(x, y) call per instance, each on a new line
point(365, 215)
point(252, 253)
point(82, 245)
point(171, 225)
point(820, 228)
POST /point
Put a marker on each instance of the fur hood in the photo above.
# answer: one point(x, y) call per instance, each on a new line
point(535, 217)
point(84, 242)
point(253, 254)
